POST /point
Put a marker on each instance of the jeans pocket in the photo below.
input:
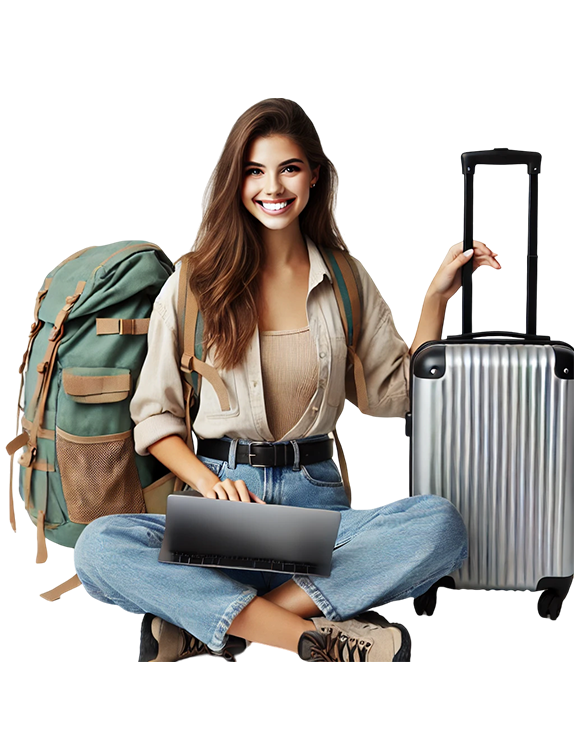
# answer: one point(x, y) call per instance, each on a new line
point(322, 474)
point(219, 468)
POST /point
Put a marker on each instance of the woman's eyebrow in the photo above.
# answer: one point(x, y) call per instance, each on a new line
point(283, 163)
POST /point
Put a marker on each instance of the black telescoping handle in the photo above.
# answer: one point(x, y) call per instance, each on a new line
point(502, 156)
point(499, 156)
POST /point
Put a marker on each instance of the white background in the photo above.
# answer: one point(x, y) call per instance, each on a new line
point(113, 116)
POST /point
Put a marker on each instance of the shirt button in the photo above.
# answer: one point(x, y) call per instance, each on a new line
point(255, 384)
point(322, 354)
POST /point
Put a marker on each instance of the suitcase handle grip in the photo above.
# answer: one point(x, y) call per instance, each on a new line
point(501, 156)
point(506, 334)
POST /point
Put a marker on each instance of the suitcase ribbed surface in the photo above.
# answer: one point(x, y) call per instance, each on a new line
point(495, 435)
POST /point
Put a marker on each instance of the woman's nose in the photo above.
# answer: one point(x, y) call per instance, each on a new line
point(273, 185)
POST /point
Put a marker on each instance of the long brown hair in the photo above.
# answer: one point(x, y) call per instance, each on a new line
point(228, 252)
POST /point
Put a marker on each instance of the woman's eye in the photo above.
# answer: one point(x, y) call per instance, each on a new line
point(252, 171)
point(291, 168)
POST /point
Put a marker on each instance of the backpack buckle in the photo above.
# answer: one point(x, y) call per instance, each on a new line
point(186, 362)
point(127, 327)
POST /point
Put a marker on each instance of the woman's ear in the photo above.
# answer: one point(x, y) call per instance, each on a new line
point(315, 175)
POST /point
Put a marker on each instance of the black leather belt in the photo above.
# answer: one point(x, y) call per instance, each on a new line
point(266, 455)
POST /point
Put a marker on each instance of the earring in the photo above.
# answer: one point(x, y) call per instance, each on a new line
point(313, 184)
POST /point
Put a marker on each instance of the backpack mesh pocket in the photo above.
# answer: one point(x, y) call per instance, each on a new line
point(99, 475)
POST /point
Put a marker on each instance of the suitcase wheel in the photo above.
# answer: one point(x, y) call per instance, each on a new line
point(554, 591)
point(425, 603)
point(550, 604)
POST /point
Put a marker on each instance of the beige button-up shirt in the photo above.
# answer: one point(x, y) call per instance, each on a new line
point(158, 404)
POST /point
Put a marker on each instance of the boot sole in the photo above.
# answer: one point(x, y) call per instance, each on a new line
point(404, 653)
point(149, 647)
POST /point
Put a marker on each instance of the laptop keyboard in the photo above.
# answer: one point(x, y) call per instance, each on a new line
point(281, 566)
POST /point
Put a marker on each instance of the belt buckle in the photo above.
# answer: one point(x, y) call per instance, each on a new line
point(253, 455)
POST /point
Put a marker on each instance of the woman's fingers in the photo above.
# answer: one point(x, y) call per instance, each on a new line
point(482, 255)
point(236, 491)
point(256, 499)
point(241, 488)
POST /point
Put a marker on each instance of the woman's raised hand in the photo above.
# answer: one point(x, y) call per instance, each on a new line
point(449, 276)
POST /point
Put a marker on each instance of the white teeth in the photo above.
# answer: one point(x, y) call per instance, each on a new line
point(274, 206)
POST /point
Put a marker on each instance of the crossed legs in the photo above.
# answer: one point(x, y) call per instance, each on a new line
point(278, 618)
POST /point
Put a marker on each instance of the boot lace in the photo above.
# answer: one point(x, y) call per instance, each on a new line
point(339, 647)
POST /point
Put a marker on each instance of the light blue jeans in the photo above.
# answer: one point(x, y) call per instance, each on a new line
point(381, 555)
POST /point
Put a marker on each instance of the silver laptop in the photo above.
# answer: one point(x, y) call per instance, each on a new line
point(248, 536)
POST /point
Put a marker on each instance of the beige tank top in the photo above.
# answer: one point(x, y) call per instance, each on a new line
point(289, 368)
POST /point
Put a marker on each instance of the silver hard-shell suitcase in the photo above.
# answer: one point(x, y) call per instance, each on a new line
point(492, 430)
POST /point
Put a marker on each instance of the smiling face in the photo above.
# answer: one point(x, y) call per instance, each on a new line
point(277, 179)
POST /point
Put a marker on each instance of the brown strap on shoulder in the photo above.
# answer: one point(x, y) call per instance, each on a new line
point(214, 378)
point(186, 338)
point(349, 271)
point(56, 593)
point(350, 277)
point(188, 311)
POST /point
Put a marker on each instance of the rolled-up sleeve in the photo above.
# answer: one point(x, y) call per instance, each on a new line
point(384, 355)
point(158, 407)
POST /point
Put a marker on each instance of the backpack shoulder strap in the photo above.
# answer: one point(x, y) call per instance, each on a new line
point(349, 295)
point(190, 322)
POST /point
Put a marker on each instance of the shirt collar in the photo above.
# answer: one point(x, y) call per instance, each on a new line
point(318, 270)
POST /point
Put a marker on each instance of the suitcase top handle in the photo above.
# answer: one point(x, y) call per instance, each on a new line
point(501, 156)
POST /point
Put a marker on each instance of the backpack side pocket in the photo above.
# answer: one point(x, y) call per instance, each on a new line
point(94, 444)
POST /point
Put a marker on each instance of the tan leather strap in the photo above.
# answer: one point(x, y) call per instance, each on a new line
point(187, 316)
point(360, 382)
point(42, 432)
point(36, 325)
point(188, 396)
point(122, 326)
point(36, 465)
point(45, 370)
point(186, 337)
point(182, 300)
point(56, 593)
point(62, 316)
point(128, 250)
point(213, 377)
point(188, 311)
point(351, 279)
point(343, 466)
point(94, 385)
point(17, 443)
point(42, 553)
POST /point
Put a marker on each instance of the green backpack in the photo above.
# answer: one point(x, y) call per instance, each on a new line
point(86, 348)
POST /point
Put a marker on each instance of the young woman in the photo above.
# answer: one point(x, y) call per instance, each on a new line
point(273, 331)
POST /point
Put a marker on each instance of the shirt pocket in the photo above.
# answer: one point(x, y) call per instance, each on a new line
point(209, 400)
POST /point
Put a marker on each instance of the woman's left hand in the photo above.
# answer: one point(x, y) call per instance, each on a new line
point(448, 279)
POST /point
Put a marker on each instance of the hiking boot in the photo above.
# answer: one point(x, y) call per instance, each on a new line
point(367, 637)
point(174, 643)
